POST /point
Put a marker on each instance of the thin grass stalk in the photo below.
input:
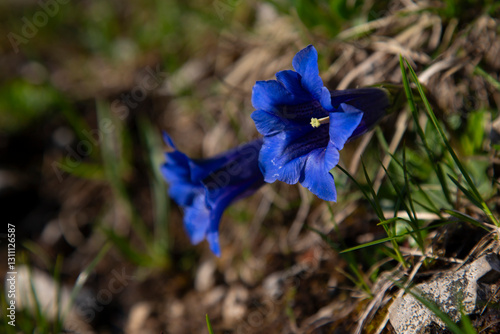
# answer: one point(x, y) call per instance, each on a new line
point(113, 173)
point(82, 278)
point(209, 325)
point(430, 154)
point(462, 169)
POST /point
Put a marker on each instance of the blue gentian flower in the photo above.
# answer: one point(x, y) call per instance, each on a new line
point(305, 125)
point(206, 187)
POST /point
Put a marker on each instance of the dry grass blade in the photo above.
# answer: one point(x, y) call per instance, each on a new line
point(373, 306)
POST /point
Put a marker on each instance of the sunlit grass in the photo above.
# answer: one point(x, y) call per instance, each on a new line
point(412, 196)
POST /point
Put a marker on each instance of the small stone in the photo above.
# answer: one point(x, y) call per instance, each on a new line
point(205, 276)
point(137, 318)
point(214, 296)
point(234, 306)
point(274, 285)
point(35, 286)
point(451, 291)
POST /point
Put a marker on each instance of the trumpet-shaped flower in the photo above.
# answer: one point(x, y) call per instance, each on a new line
point(205, 187)
point(305, 125)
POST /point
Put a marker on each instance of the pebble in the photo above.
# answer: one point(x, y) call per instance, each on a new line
point(467, 288)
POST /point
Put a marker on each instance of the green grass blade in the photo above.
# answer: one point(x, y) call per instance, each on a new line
point(57, 279)
point(494, 82)
point(380, 137)
point(454, 156)
point(466, 322)
point(476, 201)
point(116, 164)
point(392, 220)
point(372, 243)
point(128, 251)
point(380, 241)
point(377, 207)
point(466, 218)
point(161, 207)
point(39, 252)
point(365, 193)
point(209, 325)
point(41, 322)
point(401, 194)
point(434, 308)
point(82, 278)
point(407, 186)
point(413, 221)
point(373, 199)
point(430, 154)
point(430, 206)
point(432, 209)
point(358, 280)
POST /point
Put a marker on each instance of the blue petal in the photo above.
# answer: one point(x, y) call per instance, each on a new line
point(267, 123)
point(305, 63)
point(176, 167)
point(197, 220)
point(236, 178)
point(316, 175)
point(325, 99)
point(220, 198)
point(213, 242)
point(239, 177)
point(201, 168)
point(266, 95)
point(168, 140)
point(176, 172)
point(372, 101)
point(290, 172)
point(342, 125)
point(183, 193)
point(300, 142)
point(284, 155)
point(272, 149)
point(361, 98)
point(292, 82)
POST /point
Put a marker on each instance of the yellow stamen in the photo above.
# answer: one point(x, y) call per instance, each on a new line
point(315, 123)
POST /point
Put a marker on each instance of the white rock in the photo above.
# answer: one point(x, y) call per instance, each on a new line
point(234, 306)
point(205, 276)
point(33, 285)
point(450, 291)
point(138, 315)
